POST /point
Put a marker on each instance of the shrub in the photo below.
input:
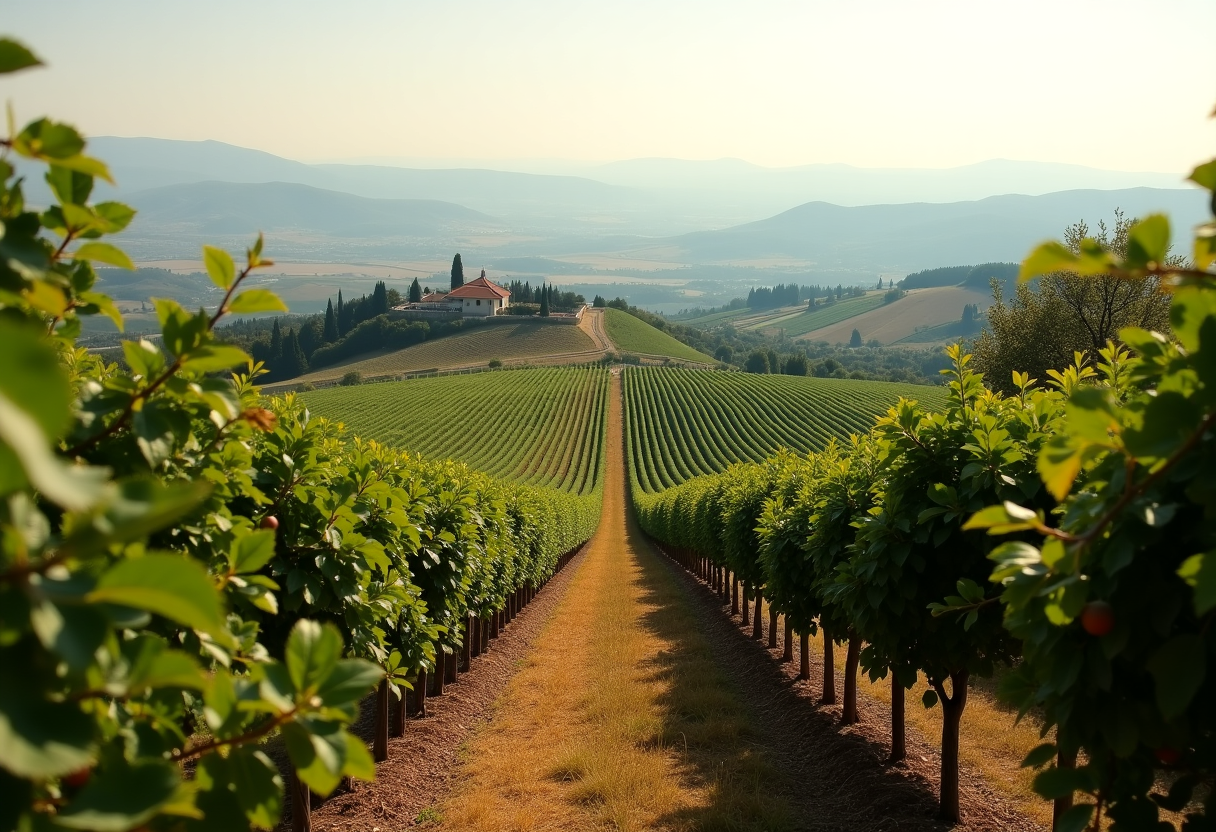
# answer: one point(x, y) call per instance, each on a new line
point(351, 378)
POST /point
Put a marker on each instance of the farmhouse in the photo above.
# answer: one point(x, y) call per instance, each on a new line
point(479, 297)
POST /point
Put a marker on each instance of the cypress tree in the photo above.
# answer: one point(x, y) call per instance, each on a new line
point(415, 291)
point(379, 299)
point(330, 333)
point(340, 310)
point(544, 302)
point(276, 345)
point(457, 272)
point(855, 339)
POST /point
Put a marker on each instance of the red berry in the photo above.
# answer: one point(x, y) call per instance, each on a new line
point(1098, 618)
point(78, 779)
point(270, 522)
point(1168, 756)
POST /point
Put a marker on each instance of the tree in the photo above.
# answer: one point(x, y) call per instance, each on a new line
point(457, 272)
point(415, 292)
point(757, 362)
point(855, 339)
point(912, 555)
point(276, 345)
point(795, 365)
point(343, 316)
point(544, 302)
point(329, 332)
point(1112, 586)
point(379, 304)
point(1044, 325)
point(599, 302)
point(724, 353)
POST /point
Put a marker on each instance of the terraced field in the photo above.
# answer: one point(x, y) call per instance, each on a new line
point(631, 335)
point(683, 423)
point(505, 342)
point(542, 427)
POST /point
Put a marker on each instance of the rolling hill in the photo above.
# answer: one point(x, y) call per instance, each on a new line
point(898, 320)
point(635, 336)
point(523, 342)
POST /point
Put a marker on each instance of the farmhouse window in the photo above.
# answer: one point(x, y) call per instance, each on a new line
point(479, 301)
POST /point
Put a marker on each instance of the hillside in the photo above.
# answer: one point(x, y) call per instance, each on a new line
point(506, 342)
point(631, 335)
point(541, 427)
point(895, 321)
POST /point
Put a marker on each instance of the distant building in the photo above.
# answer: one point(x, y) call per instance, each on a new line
point(479, 297)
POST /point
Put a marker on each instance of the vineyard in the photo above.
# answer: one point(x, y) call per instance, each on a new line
point(684, 423)
point(502, 342)
point(539, 427)
point(631, 335)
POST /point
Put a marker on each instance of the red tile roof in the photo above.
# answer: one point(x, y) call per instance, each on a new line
point(479, 288)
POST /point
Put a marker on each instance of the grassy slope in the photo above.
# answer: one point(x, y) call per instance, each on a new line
point(891, 322)
point(632, 335)
point(480, 346)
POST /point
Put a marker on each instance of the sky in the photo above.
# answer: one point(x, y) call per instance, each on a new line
point(881, 83)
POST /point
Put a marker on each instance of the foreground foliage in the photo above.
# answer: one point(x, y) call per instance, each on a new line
point(189, 572)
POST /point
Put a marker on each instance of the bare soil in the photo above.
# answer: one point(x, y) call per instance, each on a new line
point(423, 764)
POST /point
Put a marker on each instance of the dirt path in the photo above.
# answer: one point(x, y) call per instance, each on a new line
point(644, 706)
point(593, 325)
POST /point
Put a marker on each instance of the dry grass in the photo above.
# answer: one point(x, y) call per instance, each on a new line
point(620, 718)
point(992, 744)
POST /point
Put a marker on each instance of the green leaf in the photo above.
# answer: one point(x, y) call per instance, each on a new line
point(169, 585)
point(350, 681)
point(1205, 175)
point(104, 305)
point(116, 215)
point(256, 300)
point(1148, 241)
point(251, 552)
point(70, 186)
point(38, 738)
point(212, 357)
point(1199, 571)
point(1045, 259)
point(1076, 819)
point(121, 797)
point(24, 456)
point(318, 750)
point(14, 56)
point(104, 253)
point(252, 777)
point(71, 631)
point(154, 665)
point(1061, 782)
point(1193, 317)
point(929, 699)
point(1040, 755)
point(86, 164)
point(220, 267)
point(1178, 668)
point(312, 652)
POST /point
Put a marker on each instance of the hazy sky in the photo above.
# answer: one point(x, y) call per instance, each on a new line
point(929, 83)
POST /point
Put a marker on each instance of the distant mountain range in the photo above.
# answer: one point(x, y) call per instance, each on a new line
point(924, 235)
point(224, 208)
point(695, 212)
